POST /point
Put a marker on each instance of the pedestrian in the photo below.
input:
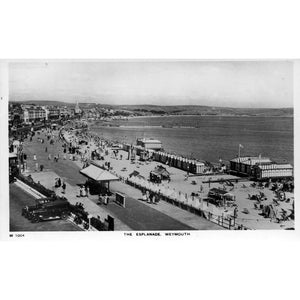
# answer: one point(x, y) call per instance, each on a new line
point(34, 157)
point(105, 199)
point(151, 198)
point(154, 199)
point(63, 188)
point(46, 149)
point(49, 156)
point(36, 167)
point(144, 197)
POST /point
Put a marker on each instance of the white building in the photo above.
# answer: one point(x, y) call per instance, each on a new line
point(266, 171)
point(149, 144)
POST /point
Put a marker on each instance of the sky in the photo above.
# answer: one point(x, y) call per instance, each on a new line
point(265, 84)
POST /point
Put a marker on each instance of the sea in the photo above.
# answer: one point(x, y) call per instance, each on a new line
point(209, 138)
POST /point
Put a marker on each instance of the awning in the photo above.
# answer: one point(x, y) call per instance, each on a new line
point(98, 174)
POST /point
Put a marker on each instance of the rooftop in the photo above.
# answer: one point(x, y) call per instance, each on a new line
point(149, 140)
point(277, 166)
point(249, 159)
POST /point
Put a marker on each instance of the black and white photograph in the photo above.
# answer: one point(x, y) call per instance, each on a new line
point(149, 149)
point(151, 145)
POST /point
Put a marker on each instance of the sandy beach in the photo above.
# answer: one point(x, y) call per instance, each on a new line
point(183, 189)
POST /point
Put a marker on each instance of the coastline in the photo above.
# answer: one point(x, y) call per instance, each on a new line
point(207, 115)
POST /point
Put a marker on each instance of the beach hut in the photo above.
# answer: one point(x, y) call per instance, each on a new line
point(169, 159)
point(189, 165)
point(179, 162)
point(184, 164)
point(168, 156)
point(174, 161)
point(193, 167)
point(163, 157)
point(199, 166)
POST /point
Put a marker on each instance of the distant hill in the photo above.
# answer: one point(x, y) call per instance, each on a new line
point(177, 109)
point(207, 110)
point(45, 102)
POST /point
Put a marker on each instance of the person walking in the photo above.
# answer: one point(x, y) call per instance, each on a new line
point(63, 188)
point(36, 167)
point(46, 149)
point(105, 199)
point(144, 197)
point(154, 199)
point(34, 157)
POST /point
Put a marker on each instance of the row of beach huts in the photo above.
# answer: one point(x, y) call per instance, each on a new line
point(256, 167)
